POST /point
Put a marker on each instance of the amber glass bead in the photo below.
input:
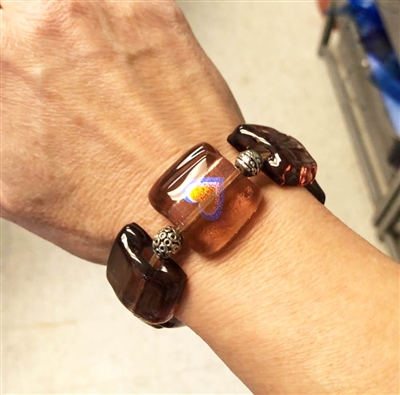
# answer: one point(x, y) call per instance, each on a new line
point(286, 161)
point(206, 197)
point(148, 286)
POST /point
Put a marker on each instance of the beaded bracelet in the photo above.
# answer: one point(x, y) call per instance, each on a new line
point(208, 200)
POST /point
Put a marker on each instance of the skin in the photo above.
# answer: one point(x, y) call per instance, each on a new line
point(97, 99)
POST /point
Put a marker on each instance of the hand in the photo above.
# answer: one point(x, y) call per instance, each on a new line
point(97, 98)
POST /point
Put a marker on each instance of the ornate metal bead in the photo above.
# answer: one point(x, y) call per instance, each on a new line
point(167, 242)
point(249, 162)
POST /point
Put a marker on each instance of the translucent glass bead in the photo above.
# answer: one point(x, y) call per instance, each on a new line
point(146, 285)
point(206, 197)
point(286, 161)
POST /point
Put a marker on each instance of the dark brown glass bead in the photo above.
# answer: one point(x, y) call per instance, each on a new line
point(286, 161)
point(317, 191)
point(146, 285)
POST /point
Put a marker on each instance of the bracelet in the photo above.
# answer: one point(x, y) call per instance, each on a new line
point(208, 200)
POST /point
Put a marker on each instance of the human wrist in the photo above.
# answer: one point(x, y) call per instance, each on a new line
point(208, 200)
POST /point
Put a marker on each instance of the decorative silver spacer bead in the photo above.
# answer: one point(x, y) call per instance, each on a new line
point(167, 242)
point(249, 162)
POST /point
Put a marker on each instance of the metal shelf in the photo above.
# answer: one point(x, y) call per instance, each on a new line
point(369, 125)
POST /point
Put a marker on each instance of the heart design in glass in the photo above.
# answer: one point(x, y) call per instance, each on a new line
point(208, 194)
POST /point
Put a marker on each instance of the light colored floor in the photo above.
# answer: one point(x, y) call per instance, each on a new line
point(64, 331)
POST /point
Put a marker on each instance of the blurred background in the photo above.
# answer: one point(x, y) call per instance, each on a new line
point(63, 329)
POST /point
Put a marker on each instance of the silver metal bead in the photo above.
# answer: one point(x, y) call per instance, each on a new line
point(249, 162)
point(167, 242)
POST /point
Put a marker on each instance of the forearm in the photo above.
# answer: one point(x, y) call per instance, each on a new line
point(299, 303)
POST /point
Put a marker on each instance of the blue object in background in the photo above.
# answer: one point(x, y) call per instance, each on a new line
point(390, 90)
point(385, 68)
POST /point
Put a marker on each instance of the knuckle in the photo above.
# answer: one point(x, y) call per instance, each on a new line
point(57, 18)
point(167, 13)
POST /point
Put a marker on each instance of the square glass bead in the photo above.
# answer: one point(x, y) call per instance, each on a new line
point(147, 286)
point(206, 197)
